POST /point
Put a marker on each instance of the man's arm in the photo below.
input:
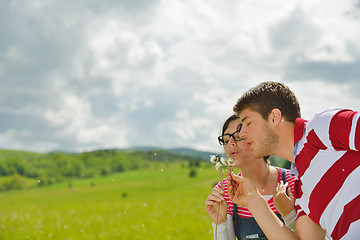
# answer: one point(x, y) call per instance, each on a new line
point(305, 228)
point(245, 194)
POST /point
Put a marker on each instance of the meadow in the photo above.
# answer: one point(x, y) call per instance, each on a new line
point(152, 203)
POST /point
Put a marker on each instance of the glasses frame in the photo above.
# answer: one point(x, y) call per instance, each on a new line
point(231, 135)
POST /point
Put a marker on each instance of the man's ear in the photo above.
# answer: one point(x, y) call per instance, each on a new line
point(275, 117)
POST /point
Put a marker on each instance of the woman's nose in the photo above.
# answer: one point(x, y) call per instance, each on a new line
point(232, 141)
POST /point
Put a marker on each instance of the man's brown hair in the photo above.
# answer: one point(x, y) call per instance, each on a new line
point(266, 96)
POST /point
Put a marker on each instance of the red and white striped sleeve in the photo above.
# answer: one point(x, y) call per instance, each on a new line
point(344, 130)
point(338, 129)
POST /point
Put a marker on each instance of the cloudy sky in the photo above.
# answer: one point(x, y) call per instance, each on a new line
point(88, 74)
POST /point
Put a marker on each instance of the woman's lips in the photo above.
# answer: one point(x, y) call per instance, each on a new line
point(233, 154)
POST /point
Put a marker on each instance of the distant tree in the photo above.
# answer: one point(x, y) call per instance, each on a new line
point(15, 181)
point(192, 173)
point(4, 169)
point(194, 163)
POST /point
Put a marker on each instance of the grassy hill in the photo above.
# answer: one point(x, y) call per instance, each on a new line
point(188, 152)
point(13, 153)
point(162, 203)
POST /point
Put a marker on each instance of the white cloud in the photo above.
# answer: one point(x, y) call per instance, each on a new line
point(316, 96)
point(92, 74)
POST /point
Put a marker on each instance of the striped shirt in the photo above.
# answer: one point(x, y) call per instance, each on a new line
point(244, 212)
point(327, 158)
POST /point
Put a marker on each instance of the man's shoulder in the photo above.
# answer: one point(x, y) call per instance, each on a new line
point(326, 113)
point(321, 119)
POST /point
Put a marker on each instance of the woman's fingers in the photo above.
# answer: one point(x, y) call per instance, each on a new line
point(216, 197)
point(289, 193)
point(281, 188)
point(233, 182)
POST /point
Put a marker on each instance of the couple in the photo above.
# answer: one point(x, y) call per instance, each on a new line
point(325, 151)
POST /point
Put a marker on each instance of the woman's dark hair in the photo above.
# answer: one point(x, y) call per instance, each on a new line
point(227, 122)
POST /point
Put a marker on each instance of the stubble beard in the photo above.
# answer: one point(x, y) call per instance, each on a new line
point(267, 146)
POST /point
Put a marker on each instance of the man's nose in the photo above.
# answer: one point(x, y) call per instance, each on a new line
point(242, 132)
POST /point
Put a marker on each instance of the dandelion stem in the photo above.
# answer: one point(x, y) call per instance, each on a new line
point(218, 215)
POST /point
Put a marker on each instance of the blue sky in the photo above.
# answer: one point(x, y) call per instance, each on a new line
point(84, 75)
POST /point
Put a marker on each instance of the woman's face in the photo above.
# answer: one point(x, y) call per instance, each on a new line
point(239, 151)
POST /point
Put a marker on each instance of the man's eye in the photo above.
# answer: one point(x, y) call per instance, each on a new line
point(248, 123)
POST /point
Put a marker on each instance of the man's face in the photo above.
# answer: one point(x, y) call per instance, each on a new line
point(257, 131)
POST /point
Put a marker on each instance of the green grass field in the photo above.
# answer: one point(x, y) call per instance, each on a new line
point(148, 204)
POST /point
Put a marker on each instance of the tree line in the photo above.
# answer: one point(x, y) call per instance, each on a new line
point(17, 168)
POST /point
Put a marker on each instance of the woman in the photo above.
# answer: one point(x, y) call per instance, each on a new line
point(237, 222)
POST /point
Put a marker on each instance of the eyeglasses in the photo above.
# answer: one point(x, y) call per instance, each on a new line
point(225, 138)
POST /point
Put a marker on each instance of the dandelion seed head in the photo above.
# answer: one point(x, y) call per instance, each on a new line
point(213, 158)
point(230, 162)
point(218, 166)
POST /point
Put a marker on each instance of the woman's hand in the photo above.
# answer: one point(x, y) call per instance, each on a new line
point(216, 206)
point(284, 201)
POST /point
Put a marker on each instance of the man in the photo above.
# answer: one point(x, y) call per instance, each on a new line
point(325, 151)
